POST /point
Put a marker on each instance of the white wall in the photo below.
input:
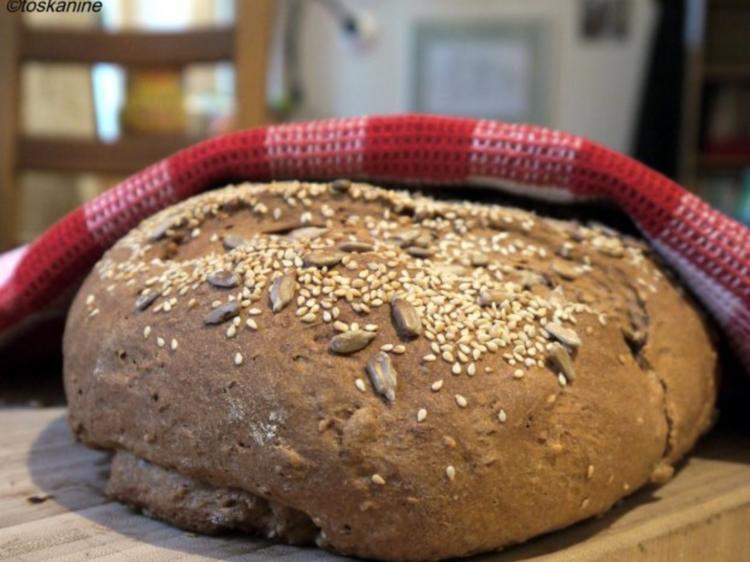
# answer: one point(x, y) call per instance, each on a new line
point(595, 85)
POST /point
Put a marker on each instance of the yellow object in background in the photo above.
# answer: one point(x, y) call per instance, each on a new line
point(154, 103)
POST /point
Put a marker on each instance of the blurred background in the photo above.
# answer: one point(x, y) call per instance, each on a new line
point(88, 98)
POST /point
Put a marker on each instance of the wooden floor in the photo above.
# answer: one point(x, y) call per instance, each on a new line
point(52, 507)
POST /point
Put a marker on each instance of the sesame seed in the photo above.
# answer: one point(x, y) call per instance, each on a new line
point(590, 472)
point(461, 401)
point(450, 472)
point(421, 414)
point(231, 331)
point(437, 385)
point(518, 374)
point(160, 342)
point(444, 289)
point(502, 416)
point(146, 332)
point(387, 347)
point(90, 299)
point(377, 479)
point(173, 344)
point(238, 359)
point(360, 384)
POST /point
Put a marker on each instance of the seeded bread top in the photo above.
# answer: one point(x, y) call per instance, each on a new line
point(398, 311)
point(476, 281)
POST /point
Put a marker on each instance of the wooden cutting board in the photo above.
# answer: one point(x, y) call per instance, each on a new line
point(52, 507)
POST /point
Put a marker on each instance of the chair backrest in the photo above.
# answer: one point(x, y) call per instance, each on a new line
point(245, 43)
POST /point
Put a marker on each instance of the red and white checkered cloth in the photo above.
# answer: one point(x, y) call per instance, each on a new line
point(709, 250)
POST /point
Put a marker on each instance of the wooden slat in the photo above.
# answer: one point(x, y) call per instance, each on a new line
point(128, 47)
point(254, 22)
point(74, 155)
point(10, 198)
point(702, 514)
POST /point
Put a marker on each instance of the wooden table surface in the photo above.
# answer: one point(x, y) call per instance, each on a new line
point(52, 507)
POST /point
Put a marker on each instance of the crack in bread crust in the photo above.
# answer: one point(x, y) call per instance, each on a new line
point(196, 506)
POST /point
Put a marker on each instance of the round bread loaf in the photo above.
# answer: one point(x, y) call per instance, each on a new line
point(384, 374)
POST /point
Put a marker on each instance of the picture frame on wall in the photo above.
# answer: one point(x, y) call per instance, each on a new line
point(494, 70)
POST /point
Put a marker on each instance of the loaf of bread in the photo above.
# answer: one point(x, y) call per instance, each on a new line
point(380, 373)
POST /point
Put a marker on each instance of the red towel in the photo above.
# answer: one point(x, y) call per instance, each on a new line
point(709, 250)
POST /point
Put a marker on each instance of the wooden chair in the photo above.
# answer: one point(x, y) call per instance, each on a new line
point(245, 43)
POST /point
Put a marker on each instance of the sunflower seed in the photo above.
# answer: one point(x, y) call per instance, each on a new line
point(529, 279)
point(449, 269)
point(160, 230)
point(560, 357)
point(232, 241)
point(146, 300)
point(355, 246)
point(404, 237)
point(478, 259)
point(418, 252)
point(488, 298)
point(222, 313)
point(308, 232)
point(562, 334)
point(406, 319)
point(350, 342)
point(341, 185)
point(566, 270)
point(322, 258)
point(423, 240)
point(282, 292)
point(223, 280)
point(383, 375)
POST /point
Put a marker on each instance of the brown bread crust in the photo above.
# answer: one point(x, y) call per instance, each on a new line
point(531, 429)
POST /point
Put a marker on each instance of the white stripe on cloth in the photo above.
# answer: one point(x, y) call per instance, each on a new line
point(8, 263)
point(317, 150)
point(548, 156)
point(717, 299)
point(113, 213)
